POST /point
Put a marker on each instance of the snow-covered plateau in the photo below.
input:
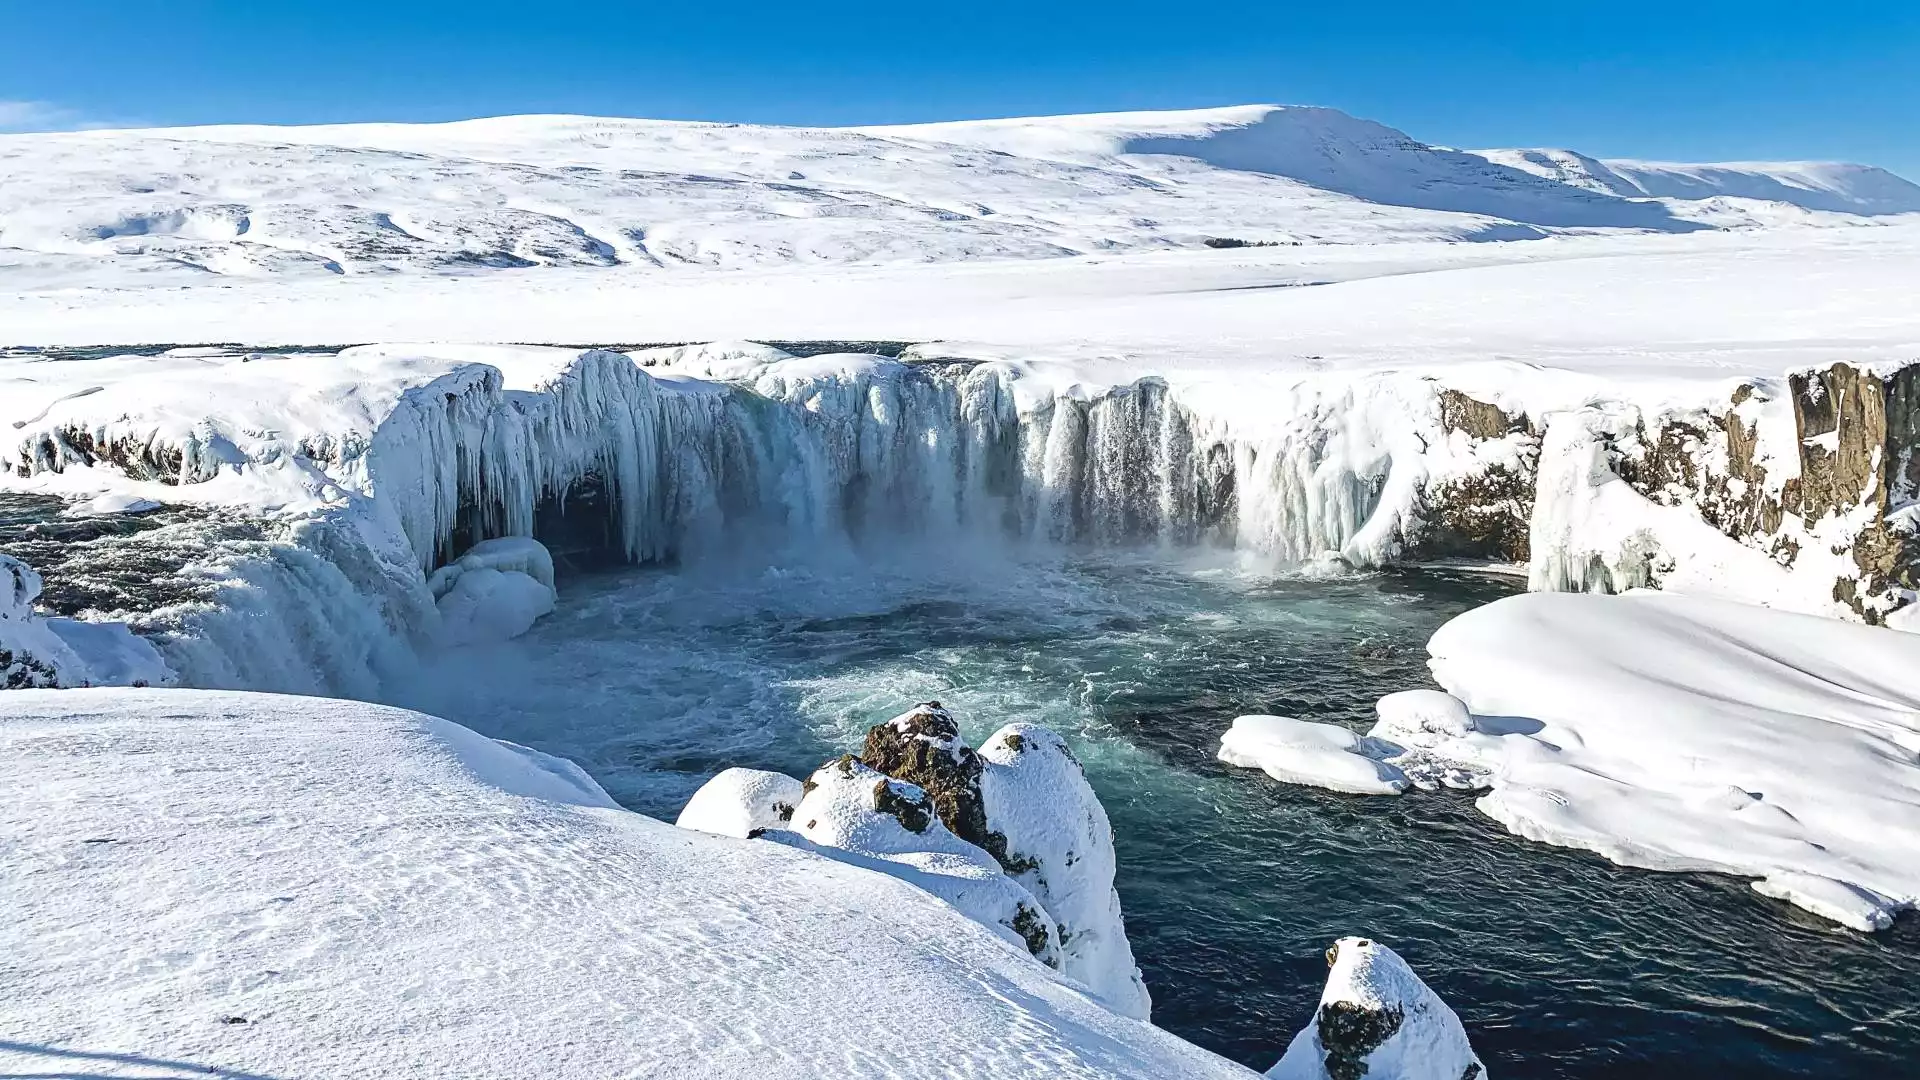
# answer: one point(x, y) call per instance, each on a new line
point(1301, 339)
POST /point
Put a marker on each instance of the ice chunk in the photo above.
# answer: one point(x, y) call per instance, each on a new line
point(742, 802)
point(491, 605)
point(520, 554)
point(1055, 839)
point(1318, 755)
point(1423, 718)
point(110, 504)
point(1378, 1020)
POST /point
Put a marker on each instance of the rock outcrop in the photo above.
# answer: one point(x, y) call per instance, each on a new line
point(1010, 834)
point(1814, 475)
point(1377, 1020)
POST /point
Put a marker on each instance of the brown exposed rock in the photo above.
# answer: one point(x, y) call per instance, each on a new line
point(1485, 516)
point(923, 748)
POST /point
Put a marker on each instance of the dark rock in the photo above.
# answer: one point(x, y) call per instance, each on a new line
point(923, 748)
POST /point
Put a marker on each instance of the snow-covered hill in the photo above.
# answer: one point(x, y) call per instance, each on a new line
point(1835, 186)
point(171, 206)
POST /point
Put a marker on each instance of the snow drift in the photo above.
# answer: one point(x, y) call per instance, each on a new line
point(1660, 731)
point(272, 885)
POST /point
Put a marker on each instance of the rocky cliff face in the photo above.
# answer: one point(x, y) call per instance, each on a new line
point(1816, 472)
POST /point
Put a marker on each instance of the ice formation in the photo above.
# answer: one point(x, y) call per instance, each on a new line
point(352, 882)
point(1320, 755)
point(1376, 1019)
point(493, 592)
point(41, 652)
point(366, 471)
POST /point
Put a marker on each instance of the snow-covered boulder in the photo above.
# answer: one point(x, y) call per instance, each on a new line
point(1317, 755)
point(1379, 1021)
point(494, 592)
point(1011, 834)
point(743, 803)
point(853, 814)
point(1053, 837)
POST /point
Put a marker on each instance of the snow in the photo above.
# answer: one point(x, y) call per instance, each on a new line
point(488, 605)
point(376, 887)
point(1037, 798)
point(742, 802)
point(1377, 1018)
point(494, 591)
point(36, 651)
point(852, 813)
point(1834, 186)
point(1684, 733)
point(1302, 752)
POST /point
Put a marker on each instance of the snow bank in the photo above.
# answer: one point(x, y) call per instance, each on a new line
point(1377, 1019)
point(1682, 733)
point(275, 885)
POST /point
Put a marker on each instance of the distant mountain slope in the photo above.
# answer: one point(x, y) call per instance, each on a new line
point(160, 206)
point(1325, 148)
point(1836, 186)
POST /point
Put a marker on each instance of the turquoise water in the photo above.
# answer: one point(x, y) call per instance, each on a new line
point(1560, 964)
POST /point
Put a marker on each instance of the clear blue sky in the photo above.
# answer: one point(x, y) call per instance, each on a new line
point(1839, 79)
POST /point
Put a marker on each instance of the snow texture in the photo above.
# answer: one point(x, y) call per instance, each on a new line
point(742, 803)
point(1060, 846)
point(271, 886)
point(1682, 733)
point(1376, 1019)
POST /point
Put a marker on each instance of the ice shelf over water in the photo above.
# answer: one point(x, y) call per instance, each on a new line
point(1660, 731)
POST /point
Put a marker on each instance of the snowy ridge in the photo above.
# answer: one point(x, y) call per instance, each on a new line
point(159, 207)
point(1836, 186)
point(215, 890)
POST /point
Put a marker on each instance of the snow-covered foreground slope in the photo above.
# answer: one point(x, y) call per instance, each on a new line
point(178, 206)
point(266, 886)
